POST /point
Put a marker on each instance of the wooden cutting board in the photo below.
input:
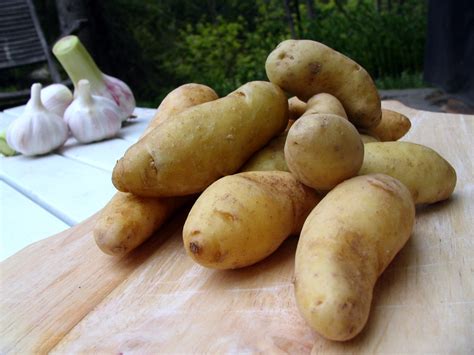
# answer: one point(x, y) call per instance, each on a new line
point(62, 295)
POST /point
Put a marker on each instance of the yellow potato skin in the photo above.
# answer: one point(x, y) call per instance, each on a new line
point(296, 107)
point(269, 158)
point(366, 138)
point(198, 146)
point(305, 68)
point(392, 126)
point(428, 176)
point(128, 220)
point(178, 100)
point(241, 219)
point(347, 241)
point(272, 156)
point(325, 103)
point(322, 150)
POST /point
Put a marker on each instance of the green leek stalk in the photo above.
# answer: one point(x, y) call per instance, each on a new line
point(78, 64)
point(5, 149)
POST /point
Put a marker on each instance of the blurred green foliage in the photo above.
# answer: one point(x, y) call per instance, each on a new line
point(388, 42)
point(227, 45)
point(225, 54)
point(155, 46)
point(385, 41)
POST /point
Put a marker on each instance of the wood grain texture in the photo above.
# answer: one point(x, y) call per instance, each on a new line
point(64, 296)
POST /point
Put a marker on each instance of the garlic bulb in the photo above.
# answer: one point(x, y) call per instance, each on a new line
point(37, 130)
point(121, 93)
point(56, 98)
point(92, 118)
point(79, 65)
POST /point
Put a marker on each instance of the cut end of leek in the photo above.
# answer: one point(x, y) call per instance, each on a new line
point(77, 62)
point(65, 44)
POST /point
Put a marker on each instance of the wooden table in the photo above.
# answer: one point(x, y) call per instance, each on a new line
point(52, 189)
point(62, 295)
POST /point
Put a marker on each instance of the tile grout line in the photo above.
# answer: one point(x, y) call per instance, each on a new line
point(84, 162)
point(38, 201)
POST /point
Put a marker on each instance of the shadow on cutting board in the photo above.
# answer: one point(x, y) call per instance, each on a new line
point(171, 228)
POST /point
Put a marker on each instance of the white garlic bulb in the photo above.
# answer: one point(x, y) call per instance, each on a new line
point(56, 98)
point(92, 118)
point(37, 130)
point(79, 65)
point(122, 95)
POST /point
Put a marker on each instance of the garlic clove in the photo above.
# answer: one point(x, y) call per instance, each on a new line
point(37, 131)
point(56, 98)
point(92, 118)
point(121, 93)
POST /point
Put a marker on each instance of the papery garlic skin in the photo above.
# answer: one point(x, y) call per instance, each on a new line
point(121, 93)
point(56, 98)
point(37, 131)
point(79, 65)
point(92, 118)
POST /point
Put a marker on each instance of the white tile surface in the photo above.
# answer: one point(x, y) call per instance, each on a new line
point(144, 113)
point(70, 190)
point(58, 189)
point(23, 222)
point(5, 120)
point(133, 130)
point(101, 155)
point(15, 111)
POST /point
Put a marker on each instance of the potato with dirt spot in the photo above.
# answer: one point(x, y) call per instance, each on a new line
point(347, 241)
point(322, 150)
point(305, 68)
point(241, 219)
point(202, 144)
point(128, 220)
point(428, 176)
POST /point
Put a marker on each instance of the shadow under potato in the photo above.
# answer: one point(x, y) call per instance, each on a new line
point(171, 228)
point(429, 209)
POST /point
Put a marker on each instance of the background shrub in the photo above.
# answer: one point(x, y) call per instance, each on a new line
point(155, 46)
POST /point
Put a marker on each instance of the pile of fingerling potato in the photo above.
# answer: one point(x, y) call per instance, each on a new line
point(325, 165)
